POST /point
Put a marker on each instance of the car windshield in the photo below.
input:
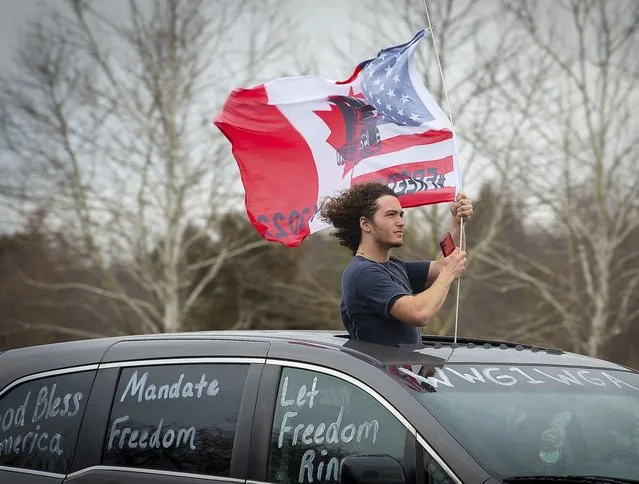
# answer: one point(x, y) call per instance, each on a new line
point(535, 420)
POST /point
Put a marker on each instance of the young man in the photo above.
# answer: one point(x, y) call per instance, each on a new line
point(385, 300)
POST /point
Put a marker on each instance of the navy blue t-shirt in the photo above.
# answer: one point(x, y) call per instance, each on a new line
point(369, 290)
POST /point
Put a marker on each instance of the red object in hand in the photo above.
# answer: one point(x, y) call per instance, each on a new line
point(447, 244)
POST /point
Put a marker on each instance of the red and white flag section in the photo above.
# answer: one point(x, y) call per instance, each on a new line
point(297, 140)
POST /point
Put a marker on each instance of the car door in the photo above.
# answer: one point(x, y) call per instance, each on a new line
point(311, 417)
point(170, 411)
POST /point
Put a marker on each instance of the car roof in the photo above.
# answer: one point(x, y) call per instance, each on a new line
point(434, 350)
point(440, 350)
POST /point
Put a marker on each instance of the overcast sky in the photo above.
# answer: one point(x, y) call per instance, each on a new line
point(319, 21)
point(318, 18)
point(13, 15)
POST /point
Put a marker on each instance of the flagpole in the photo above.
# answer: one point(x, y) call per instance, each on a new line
point(450, 116)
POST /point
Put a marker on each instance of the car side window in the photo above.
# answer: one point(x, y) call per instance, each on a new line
point(40, 421)
point(320, 419)
point(179, 418)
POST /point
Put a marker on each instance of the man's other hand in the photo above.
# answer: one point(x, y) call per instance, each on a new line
point(461, 208)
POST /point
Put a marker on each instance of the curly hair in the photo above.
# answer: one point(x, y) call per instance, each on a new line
point(345, 210)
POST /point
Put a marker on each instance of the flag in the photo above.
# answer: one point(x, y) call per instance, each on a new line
point(297, 140)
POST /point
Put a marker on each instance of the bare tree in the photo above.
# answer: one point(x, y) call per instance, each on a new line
point(110, 122)
point(581, 174)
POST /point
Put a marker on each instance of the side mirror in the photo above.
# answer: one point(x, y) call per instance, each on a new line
point(371, 469)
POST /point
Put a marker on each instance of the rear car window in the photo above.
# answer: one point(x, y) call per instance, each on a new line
point(179, 418)
point(40, 421)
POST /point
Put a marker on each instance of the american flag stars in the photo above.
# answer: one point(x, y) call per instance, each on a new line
point(387, 85)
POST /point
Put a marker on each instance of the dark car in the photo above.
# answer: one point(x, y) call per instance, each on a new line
point(309, 407)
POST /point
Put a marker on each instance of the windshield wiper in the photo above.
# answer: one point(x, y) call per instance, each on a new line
point(570, 479)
